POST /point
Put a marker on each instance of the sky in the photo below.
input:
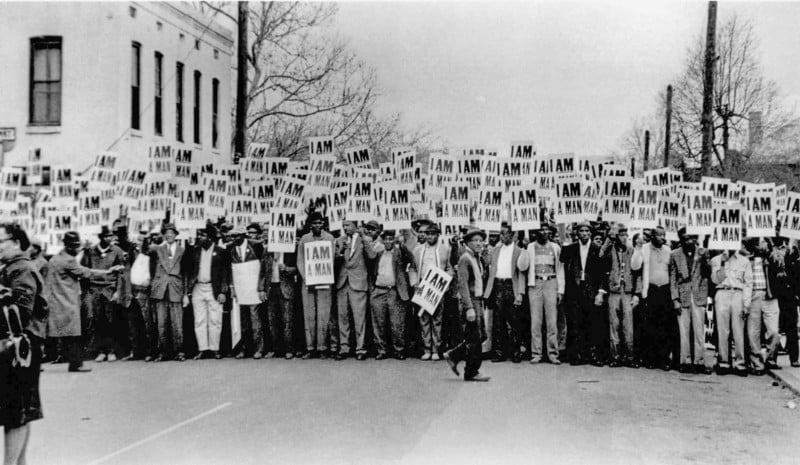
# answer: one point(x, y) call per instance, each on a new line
point(570, 76)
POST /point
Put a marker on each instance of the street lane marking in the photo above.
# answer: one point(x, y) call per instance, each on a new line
point(159, 434)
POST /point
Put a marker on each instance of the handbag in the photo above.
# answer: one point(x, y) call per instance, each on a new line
point(16, 346)
point(140, 271)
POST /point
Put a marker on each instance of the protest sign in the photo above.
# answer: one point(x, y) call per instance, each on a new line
point(320, 146)
point(780, 198)
point(522, 149)
point(645, 206)
point(89, 222)
point(699, 212)
point(387, 171)
point(591, 167)
point(35, 168)
point(760, 212)
point(320, 174)
point(490, 176)
point(290, 194)
point(403, 160)
point(616, 199)
point(216, 186)
point(59, 221)
point(441, 169)
point(790, 218)
point(245, 280)
point(524, 208)
point(263, 193)
point(569, 204)
point(488, 215)
point(240, 211)
point(358, 157)
point(670, 216)
point(282, 231)
point(189, 209)
point(665, 178)
point(591, 202)
point(359, 200)
point(10, 184)
point(469, 171)
point(512, 171)
point(431, 289)
point(397, 207)
point(159, 159)
point(455, 206)
point(257, 151)
point(727, 232)
point(337, 207)
point(132, 187)
point(182, 163)
point(722, 189)
point(318, 263)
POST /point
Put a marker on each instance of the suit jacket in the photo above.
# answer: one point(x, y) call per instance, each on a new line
point(351, 265)
point(106, 284)
point(593, 275)
point(467, 279)
point(288, 276)
point(618, 267)
point(445, 263)
point(166, 274)
point(255, 251)
point(685, 283)
point(517, 278)
point(220, 269)
point(402, 260)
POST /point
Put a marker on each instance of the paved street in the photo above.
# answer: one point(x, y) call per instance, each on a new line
point(410, 412)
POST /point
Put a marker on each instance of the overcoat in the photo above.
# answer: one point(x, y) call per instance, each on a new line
point(62, 291)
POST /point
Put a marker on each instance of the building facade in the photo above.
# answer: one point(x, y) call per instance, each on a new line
point(83, 78)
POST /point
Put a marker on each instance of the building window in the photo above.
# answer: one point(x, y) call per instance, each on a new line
point(197, 76)
point(214, 113)
point(179, 102)
point(136, 74)
point(216, 54)
point(132, 11)
point(197, 44)
point(45, 84)
point(159, 25)
point(159, 60)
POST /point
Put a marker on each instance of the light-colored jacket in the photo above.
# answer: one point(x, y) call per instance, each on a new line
point(443, 251)
point(736, 273)
point(641, 261)
point(527, 263)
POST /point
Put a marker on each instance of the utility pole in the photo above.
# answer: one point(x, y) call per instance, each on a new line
point(707, 121)
point(668, 129)
point(645, 166)
point(241, 84)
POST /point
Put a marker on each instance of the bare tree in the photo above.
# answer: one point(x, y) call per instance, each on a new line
point(632, 143)
point(740, 88)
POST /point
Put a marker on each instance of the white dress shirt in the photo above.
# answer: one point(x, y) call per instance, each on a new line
point(505, 262)
point(584, 249)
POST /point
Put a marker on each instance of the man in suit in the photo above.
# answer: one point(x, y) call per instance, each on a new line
point(504, 290)
point(242, 251)
point(582, 277)
point(352, 252)
point(427, 254)
point(390, 294)
point(103, 296)
point(317, 299)
point(278, 287)
point(166, 289)
point(207, 281)
point(471, 285)
point(689, 271)
point(544, 280)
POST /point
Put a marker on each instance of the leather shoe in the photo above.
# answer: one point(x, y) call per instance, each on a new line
point(614, 364)
point(451, 363)
point(148, 359)
point(478, 378)
point(58, 359)
point(288, 356)
point(180, 357)
point(307, 356)
point(128, 357)
point(341, 356)
point(741, 372)
point(757, 372)
point(772, 365)
point(257, 356)
point(100, 358)
point(380, 357)
point(632, 364)
point(684, 368)
point(239, 356)
point(198, 356)
point(400, 357)
point(159, 358)
point(516, 358)
point(794, 364)
point(361, 357)
point(80, 369)
point(217, 355)
point(498, 359)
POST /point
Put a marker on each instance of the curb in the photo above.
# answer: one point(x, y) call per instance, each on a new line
point(785, 381)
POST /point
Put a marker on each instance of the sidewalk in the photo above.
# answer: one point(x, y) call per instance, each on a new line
point(788, 376)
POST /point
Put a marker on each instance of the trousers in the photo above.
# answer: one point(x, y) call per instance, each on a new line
point(252, 329)
point(431, 329)
point(317, 316)
point(102, 323)
point(766, 311)
point(207, 317)
point(280, 320)
point(619, 308)
point(543, 299)
point(469, 349)
point(356, 301)
point(730, 322)
point(169, 316)
point(506, 324)
point(388, 320)
point(691, 323)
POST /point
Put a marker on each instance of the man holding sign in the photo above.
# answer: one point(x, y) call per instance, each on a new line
point(471, 285)
point(733, 275)
point(316, 297)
